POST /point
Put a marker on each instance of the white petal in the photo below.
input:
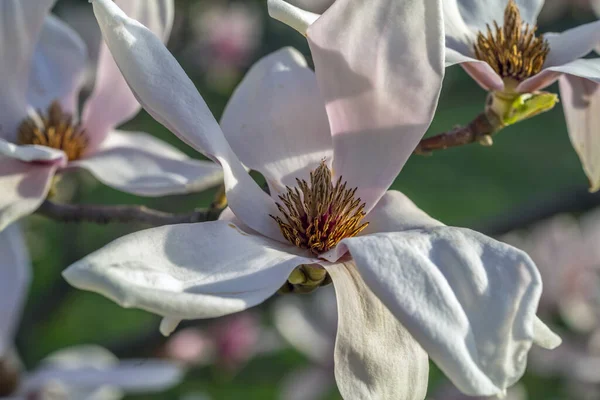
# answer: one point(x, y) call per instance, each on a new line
point(304, 324)
point(29, 153)
point(58, 66)
point(188, 271)
point(276, 121)
point(588, 68)
point(166, 92)
point(396, 213)
point(469, 300)
point(140, 164)
point(572, 44)
point(91, 367)
point(375, 356)
point(543, 335)
point(379, 65)
point(479, 70)
point(459, 37)
point(20, 24)
point(24, 186)
point(15, 275)
point(478, 13)
point(112, 102)
point(291, 15)
point(581, 104)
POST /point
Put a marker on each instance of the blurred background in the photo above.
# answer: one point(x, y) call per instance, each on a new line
point(282, 349)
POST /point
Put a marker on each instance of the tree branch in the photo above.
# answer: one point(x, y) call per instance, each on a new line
point(479, 130)
point(123, 214)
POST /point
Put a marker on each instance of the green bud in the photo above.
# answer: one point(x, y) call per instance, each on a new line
point(297, 277)
point(527, 105)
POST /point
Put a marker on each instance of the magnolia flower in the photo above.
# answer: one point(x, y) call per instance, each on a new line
point(496, 43)
point(309, 325)
point(83, 372)
point(406, 285)
point(39, 133)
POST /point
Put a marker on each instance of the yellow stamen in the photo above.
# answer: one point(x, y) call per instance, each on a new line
point(513, 50)
point(55, 129)
point(319, 214)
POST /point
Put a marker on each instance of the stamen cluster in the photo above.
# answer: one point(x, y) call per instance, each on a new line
point(513, 50)
point(55, 129)
point(319, 214)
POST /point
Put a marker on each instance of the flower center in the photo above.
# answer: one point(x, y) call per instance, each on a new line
point(54, 129)
point(318, 215)
point(513, 50)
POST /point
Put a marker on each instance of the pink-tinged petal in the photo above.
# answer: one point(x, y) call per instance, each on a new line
point(58, 66)
point(469, 300)
point(572, 44)
point(293, 16)
point(112, 103)
point(89, 367)
point(140, 164)
point(276, 121)
point(588, 68)
point(15, 275)
point(480, 71)
point(165, 91)
point(24, 187)
point(396, 213)
point(312, 383)
point(31, 153)
point(191, 271)
point(478, 13)
point(20, 24)
point(459, 37)
point(379, 65)
point(581, 104)
point(375, 356)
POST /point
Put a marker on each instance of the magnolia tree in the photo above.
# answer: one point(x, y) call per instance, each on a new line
point(329, 140)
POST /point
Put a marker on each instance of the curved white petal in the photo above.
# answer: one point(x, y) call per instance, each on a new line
point(543, 335)
point(140, 164)
point(478, 13)
point(20, 24)
point(91, 367)
point(581, 104)
point(375, 356)
point(291, 15)
point(479, 70)
point(308, 324)
point(32, 152)
point(188, 271)
point(379, 65)
point(469, 300)
point(459, 37)
point(588, 68)
point(15, 276)
point(58, 66)
point(276, 121)
point(395, 212)
point(572, 44)
point(165, 91)
point(112, 102)
point(24, 187)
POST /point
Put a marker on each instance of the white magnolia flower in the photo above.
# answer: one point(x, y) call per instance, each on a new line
point(78, 373)
point(406, 285)
point(42, 62)
point(509, 59)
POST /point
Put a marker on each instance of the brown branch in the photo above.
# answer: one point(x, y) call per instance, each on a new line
point(123, 214)
point(479, 130)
